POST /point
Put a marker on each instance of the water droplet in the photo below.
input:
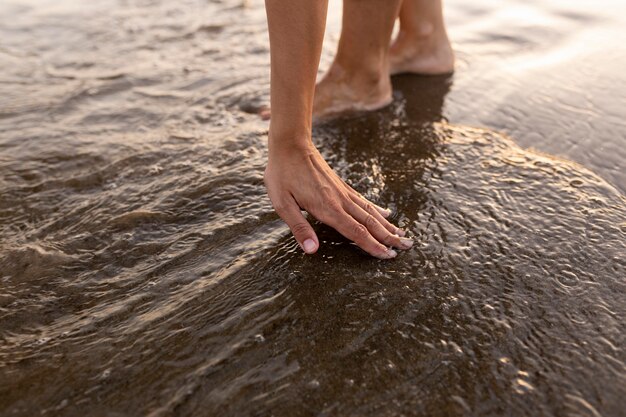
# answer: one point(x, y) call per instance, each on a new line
point(521, 386)
point(314, 383)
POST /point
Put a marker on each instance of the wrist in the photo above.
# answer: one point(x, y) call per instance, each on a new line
point(289, 142)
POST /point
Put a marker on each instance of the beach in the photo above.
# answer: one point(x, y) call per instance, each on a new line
point(144, 272)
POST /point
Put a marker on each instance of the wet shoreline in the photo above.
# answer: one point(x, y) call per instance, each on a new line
point(144, 272)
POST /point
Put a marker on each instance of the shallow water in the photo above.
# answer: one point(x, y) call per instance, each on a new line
point(144, 273)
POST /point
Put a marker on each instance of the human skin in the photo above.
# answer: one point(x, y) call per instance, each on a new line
point(297, 176)
point(422, 45)
point(359, 77)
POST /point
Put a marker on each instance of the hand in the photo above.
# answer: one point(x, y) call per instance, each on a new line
point(299, 178)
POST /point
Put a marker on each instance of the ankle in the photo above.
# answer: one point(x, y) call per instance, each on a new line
point(422, 31)
point(368, 73)
point(423, 34)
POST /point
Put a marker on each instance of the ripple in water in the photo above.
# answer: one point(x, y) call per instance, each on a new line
point(146, 274)
point(177, 290)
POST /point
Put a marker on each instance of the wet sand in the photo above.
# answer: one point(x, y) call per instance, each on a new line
point(144, 273)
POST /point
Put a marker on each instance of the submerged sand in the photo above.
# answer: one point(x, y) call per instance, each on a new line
point(144, 273)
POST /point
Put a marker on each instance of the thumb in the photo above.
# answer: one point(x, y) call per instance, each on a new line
point(300, 227)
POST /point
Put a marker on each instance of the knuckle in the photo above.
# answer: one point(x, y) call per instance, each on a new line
point(332, 205)
point(367, 206)
point(381, 250)
point(326, 192)
point(370, 221)
point(300, 228)
point(359, 232)
point(391, 240)
point(376, 250)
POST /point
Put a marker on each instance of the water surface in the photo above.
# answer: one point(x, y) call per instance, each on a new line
point(143, 271)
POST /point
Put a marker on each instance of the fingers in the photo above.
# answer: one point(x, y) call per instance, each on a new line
point(382, 211)
point(359, 199)
point(289, 211)
point(358, 233)
point(356, 218)
point(377, 211)
point(377, 229)
point(374, 211)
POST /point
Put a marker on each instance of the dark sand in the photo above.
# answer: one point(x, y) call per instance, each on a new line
point(143, 271)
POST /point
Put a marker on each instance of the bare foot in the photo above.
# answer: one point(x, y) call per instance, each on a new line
point(428, 55)
point(340, 91)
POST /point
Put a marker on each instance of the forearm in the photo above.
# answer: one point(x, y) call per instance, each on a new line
point(296, 31)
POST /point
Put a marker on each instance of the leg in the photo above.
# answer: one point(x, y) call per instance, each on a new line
point(358, 79)
point(422, 45)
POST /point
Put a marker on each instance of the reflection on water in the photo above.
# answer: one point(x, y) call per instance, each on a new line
point(144, 273)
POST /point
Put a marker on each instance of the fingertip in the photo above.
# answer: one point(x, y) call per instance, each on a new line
point(386, 253)
point(390, 254)
point(309, 246)
point(406, 242)
point(384, 212)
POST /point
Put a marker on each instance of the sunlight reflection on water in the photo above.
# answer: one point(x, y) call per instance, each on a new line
point(143, 271)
